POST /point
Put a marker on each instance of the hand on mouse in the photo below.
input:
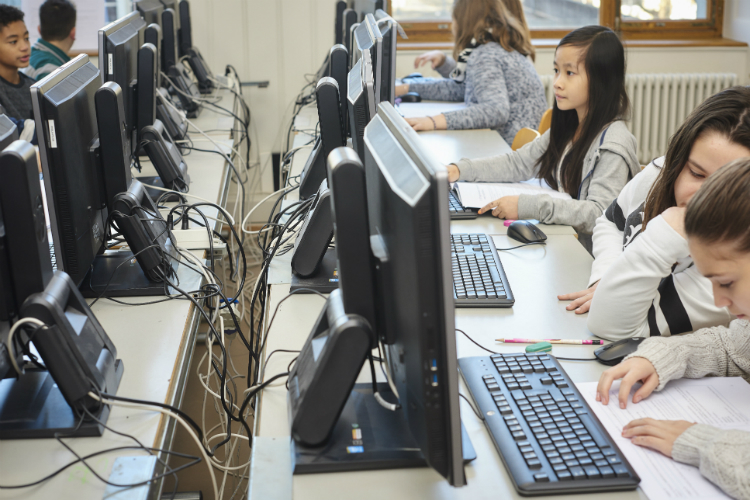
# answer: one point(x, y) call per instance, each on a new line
point(436, 58)
point(504, 208)
point(402, 89)
point(453, 172)
point(630, 371)
point(581, 300)
point(675, 217)
point(658, 435)
point(428, 123)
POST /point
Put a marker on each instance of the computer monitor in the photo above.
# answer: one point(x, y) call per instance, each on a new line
point(361, 102)
point(338, 26)
point(350, 24)
point(119, 43)
point(389, 32)
point(191, 53)
point(407, 200)
point(77, 353)
point(364, 7)
point(152, 35)
point(178, 78)
point(151, 10)
point(8, 132)
point(65, 117)
point(367, 38)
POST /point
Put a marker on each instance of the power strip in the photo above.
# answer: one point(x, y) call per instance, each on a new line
point(197, 239)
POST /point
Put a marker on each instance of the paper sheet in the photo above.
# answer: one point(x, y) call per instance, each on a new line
point(478, 194)
point(417, 109)
point(721, 401)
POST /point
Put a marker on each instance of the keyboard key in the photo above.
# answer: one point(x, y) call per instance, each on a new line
point(592, 472)
point(578, 473)
point(553, 454)
point(534, 463)
point(572, 463)
point(608, 452)
point(564, 475)
point(607, 472)
point(580, 454)
point(568, 456)
point(601, 463)
point(613, 460)
point(621, 471)
point(555, 461)
point(559, 467)
point(585, 461)
point(594, 431)
point(518, 435)
point(529, 456)
point(541, 478)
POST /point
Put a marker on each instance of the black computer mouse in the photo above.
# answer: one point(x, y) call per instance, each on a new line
point(613, 353)
point(411, 97)
point(413, 75)
point(526, 232)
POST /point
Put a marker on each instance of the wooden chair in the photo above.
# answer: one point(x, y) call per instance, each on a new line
point(546, 121)
point(523, 137)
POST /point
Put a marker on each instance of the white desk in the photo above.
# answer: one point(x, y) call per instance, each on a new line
point(155, 343)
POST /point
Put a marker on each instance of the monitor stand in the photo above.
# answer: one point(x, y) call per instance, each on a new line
point(155, 193)
point(32, 407)
point(325, 280)
point(128, 280)
point(367, 436)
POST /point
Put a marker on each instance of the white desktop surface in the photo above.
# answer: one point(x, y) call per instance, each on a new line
point(155, 343)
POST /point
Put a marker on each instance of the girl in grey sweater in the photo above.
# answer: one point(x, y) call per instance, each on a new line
point(717, 227)
point(588, 152)
point(491, 72)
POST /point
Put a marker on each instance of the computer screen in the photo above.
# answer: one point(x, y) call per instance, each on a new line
point(151, 10)
point(65, 116)
point(367, 38)
point(407, 200)
point(186, 28)
point(361, 105)
point(119, 43)
point(388, 61)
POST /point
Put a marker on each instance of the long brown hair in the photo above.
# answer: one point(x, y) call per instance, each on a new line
point(492, 21)
point(604, 60)
point(728, 113)
point(720, 210)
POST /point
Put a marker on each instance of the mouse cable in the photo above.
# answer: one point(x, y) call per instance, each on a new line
point(475, 342)
point(521, 246)
point(475, 410)
point(575, 359)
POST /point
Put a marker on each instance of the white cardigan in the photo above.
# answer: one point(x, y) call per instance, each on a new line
point(648, 284)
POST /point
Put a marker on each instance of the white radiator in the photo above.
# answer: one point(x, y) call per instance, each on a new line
point(659, 103)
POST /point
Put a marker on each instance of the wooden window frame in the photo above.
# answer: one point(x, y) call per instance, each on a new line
point(438, 32)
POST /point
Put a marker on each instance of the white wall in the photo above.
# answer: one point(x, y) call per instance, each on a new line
point(282, 40)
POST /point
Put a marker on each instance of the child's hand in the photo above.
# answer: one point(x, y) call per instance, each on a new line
point(428, 123)
point(630, 371)
point(581, 300)
point(675, 217)
point(453, 172)
point(504, 208)
point(436, 58)
point(402, 89)
point(658, 435)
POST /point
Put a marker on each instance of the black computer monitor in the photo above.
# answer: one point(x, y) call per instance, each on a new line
point(119, 43)
point(367, 38)
point(8, 132)
point(186, 28)
point(361, 102)
point(338, 26)
point(65, 117)
point(151, 10)
point(407, 200)
point(177, 76)
point(77, 353)
point(389, 32)
point(191, 53)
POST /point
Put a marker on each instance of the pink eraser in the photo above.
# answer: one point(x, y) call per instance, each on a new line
point(508, 222)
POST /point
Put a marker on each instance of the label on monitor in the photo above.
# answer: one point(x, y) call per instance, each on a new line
point(52, 135)
point(111, 64)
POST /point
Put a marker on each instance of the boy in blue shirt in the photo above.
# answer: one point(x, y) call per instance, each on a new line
point(57, 27)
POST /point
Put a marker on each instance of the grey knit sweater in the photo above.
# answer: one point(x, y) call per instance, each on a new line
point(502, 90)
point(723, 456)
point(609, 164)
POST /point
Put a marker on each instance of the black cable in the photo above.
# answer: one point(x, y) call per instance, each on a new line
point(475, 410)
point(521, 246)
point(475, 342)
point(576, 359)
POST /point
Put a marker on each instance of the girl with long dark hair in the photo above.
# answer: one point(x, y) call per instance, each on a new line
point(643, 282)
point(490, 71)
point(588, 151)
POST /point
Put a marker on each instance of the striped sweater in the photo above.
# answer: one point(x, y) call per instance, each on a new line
point(502, 90)
point(45, 58)
point(648, 285)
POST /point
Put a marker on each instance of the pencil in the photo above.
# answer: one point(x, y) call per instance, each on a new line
point(551, 341)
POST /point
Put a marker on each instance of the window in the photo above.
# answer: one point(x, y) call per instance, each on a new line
point(429, 20)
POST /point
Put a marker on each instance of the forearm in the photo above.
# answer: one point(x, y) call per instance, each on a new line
point(447, 67)
point(723, 457)
point(627, 289)
point(477, 116)
point(516, 166)
point(607, 247)
point(443, 89)
point(580, 214)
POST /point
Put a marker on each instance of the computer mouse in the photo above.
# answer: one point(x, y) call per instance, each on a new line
point(411, 97)
point(413, 75)
point(526, 232)
point(613, 353)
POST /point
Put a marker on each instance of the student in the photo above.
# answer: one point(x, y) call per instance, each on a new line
point(57, 27)
point(588, 151)
point(717, 225)
point(643, 275)
point(15, 96)
point(492, 73)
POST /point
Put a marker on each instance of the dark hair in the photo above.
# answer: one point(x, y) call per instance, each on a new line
point(9, 15)
point(728, 113)
point(604, 60)
point(720, 210)
point(57, 18)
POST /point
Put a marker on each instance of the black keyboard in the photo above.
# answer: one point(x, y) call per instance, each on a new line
point(457, 210)
point(548, 437)
point(478, 276)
